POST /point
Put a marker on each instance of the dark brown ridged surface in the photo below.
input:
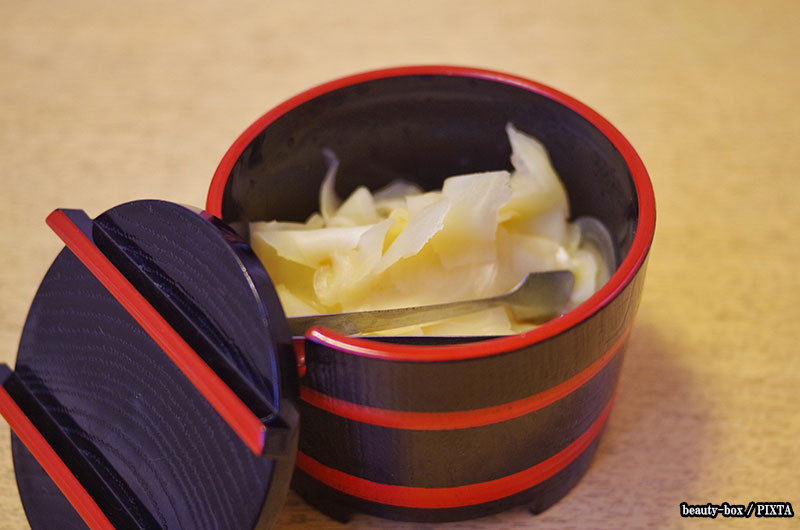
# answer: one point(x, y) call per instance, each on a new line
point(538, 498)
point(450, 458)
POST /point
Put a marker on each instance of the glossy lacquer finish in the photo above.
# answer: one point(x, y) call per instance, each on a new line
point(114, 400)
point(434, 429)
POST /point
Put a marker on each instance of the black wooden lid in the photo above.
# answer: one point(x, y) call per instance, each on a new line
point(157, 363)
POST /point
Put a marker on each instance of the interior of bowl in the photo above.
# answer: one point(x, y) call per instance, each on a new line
point(424, 128)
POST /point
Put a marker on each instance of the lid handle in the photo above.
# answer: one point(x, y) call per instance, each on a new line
point(97, 499)
point(74, 227)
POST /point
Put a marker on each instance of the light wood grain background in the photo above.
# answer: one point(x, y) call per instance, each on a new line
point(105, 102)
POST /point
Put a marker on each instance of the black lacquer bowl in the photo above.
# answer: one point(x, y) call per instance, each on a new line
point(435, 429)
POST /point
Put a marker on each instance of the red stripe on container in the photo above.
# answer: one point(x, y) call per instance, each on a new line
point(454, 497)
point(437, 421)
point(219, 395)
point(52, 464)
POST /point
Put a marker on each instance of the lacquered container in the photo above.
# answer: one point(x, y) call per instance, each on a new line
point(434, 429)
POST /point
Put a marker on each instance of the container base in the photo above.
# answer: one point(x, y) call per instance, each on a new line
point(341, 506)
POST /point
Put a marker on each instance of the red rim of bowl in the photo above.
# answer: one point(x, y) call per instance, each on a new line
point(627, 270)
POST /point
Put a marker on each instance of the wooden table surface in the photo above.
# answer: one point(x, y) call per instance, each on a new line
point(105, 102)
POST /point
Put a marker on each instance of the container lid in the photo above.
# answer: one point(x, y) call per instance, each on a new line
point(156, 380)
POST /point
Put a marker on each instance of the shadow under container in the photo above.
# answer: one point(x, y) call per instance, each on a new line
point(439, 429)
